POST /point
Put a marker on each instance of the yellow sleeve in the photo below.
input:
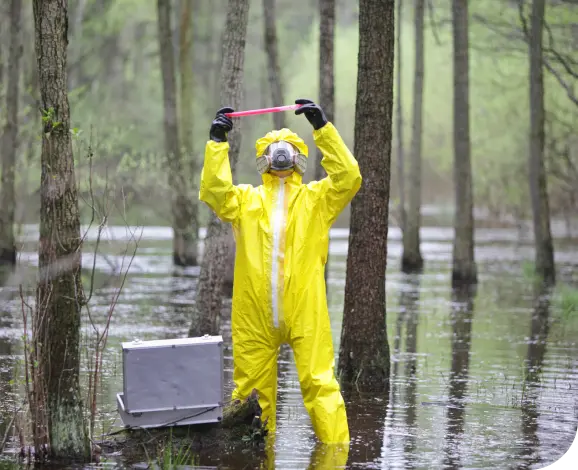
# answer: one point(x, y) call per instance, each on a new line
point(217, 188)
point(343, 177)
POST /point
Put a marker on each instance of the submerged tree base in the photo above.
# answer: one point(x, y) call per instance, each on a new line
point(241, 425)
point(412, 264)
point(7, 257)
point(464, 277)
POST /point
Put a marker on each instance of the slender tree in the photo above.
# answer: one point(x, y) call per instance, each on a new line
point(326, 76)
point(186, 120)
point(412, 259)
point(545, 267)
point(216, 259)
point(183, 246)
point(10, 140)
point(464, 266)
point(56, 336)
point(399, 116)
point(364, 351)
point(272, 51)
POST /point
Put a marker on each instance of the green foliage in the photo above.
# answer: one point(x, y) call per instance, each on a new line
point(566, 301)
point(175, 454)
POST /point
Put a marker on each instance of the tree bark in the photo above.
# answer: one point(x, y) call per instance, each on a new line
point(10, 140)
point(399, 116)
point(272, 51)
point(183, 237)
point(412, 260)
point(59, 298)
point(364, 351)
point(464, 266)
point(216, 259)
point(186, 115)
point(2, 26)
point(545, 267)
point(326, 78)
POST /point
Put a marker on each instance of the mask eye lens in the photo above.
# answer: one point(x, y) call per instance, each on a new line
point(263, 164)
point(300, 163)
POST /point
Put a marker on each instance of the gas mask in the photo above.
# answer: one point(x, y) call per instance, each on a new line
point(282, 156)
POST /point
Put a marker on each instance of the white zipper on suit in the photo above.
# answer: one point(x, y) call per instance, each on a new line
point(278, 215)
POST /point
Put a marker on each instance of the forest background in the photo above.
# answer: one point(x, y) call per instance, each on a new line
point(116, 102)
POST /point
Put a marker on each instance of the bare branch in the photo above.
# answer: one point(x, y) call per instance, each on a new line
point(434, 27)
point(569, 91)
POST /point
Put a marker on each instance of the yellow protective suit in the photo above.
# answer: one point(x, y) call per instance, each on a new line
point(281, 231)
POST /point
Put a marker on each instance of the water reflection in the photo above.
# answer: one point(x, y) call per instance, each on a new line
point(461, 319)
point(539, 328)
point(7, 404)
point(366, 416)
point(409, 299)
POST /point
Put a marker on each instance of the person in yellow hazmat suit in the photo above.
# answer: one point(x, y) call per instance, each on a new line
point(281, 230)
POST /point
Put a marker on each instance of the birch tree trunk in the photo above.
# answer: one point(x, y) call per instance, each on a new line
point(181, 198)
point(326, 77)
point(364, 351)
point(10, 141)
point(399, 124)
point(186, 115)
point(464, 267)
point(272, 51)
point(412, 260)
point(545, 267)
point(56, 331)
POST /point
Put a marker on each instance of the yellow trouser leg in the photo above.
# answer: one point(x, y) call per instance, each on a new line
point(320, 390)
point(255, 367)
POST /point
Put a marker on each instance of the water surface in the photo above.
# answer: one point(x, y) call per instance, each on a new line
point(487, 380)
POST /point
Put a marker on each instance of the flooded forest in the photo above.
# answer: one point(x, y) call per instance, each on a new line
point(450, 279)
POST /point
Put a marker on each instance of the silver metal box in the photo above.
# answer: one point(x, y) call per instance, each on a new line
point(160, 419)
point(172, 380)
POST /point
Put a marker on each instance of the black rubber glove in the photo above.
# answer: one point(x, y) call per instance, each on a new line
point(221, 125)
point(313, 113)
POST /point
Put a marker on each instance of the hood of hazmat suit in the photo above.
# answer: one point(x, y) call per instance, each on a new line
point(281, 230)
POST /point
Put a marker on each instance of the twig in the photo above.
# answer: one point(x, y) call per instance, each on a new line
point(3, 443)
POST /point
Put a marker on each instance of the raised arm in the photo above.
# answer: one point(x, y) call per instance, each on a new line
point(217, 188)
point(343, 177)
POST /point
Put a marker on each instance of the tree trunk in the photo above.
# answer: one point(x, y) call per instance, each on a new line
point(272, 51)
point(412, 260)
point(186, 115)
point(538, 187)
point(364, 351)
point(2, 41)
point(464, 266)
point(216, 259)
point(326, 78)
point(399, 116)
point(10, 141)
point(59, 298)
point(181, 200)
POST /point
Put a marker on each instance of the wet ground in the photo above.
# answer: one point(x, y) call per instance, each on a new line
point(482, 381)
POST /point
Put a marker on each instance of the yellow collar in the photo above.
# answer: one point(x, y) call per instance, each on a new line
point(293, 179)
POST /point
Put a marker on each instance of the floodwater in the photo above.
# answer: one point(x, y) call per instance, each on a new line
point(488, 380)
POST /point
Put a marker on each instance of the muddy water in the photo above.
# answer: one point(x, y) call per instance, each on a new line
point(488, 380)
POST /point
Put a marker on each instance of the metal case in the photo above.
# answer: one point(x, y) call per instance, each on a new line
point(172, 380)
point(159, 419)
